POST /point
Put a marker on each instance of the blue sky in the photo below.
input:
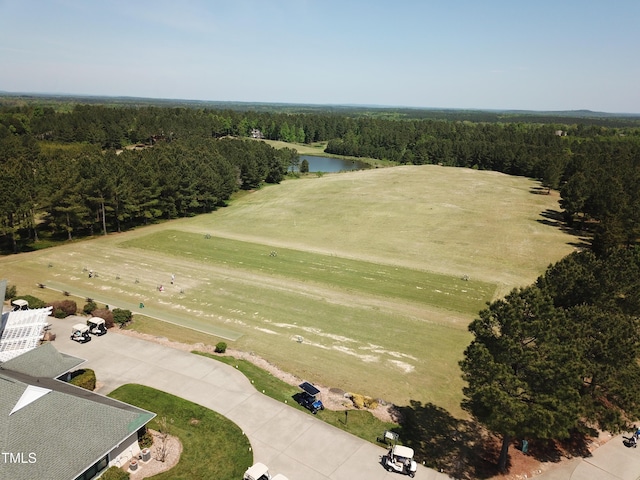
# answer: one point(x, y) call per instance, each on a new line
point(483, 54)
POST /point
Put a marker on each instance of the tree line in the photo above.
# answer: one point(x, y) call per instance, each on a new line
point(561, 355)
point(596, 167)
point(70, 190)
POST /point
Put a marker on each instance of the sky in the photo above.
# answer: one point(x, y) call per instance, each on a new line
point(472, 54)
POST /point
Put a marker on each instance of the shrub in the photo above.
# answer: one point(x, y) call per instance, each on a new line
point(114, 473)
point(371, 403)
point(33, 301)
point(105, 314)
point(84, 378)
point(358, 400)
point(361, 401)
point(64, 308)
point(221, 347)
point(10, 292)
point(145, 439)
point(121, 316)
point(89, 307)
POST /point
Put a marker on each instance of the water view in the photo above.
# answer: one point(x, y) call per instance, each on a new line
point(331, 164)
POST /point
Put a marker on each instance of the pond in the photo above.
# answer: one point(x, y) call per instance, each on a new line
point(331, 164)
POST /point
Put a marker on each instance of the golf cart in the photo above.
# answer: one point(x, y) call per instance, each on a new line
point(258, 471)
point(279, 476)
point(97, 326)
point(19, 304)
point(80, 333)
point(400, 459)
point(308, 398)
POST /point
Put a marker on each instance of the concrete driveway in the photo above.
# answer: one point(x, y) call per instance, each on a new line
point(280, 435)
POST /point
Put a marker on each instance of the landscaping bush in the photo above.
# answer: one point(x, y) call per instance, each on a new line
point(105, 314)
point(115, 473)
point(121, 316)
point(145, 439)
point(89, 307)
point(84, 378)
point(33, 301)
point(10, 292)
point(63, 308)
point(361, 401)
point(221, 347)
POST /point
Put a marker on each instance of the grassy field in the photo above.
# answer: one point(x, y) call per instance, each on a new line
point(351, 280)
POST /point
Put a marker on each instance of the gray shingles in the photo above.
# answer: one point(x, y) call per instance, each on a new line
point(43, 361)
point(67, 429)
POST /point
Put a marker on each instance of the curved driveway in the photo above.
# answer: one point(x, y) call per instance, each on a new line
point(280, 436)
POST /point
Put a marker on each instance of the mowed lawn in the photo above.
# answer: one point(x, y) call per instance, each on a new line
point(363, 281)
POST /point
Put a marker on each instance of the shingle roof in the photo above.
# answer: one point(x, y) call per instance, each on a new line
point(43, 361)
point(65, 430)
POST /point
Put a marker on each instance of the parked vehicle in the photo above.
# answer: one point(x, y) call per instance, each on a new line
point(19, 304)
point(400, 459)
point(309, 397)
point(97, 326)
point(258, 471)
point(279, 476)
point(80, 333)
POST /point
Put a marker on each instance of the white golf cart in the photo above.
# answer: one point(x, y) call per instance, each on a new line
point(279, 476)
point(19, 304)
point(80, 333)
point(258, 471)
point(400, 459)
point(97, 326)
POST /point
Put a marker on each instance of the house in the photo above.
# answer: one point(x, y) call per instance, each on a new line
point(255, 133)
point(50, 429)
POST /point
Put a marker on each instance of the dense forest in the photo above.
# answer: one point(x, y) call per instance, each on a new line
point(64, 177)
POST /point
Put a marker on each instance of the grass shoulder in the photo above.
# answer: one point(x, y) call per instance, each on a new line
point(199, 429)
point(360, 423)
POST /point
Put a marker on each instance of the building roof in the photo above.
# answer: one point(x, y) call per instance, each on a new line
point(63, 428)
point(43, 361)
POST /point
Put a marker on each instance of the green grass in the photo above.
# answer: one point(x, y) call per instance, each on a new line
point(365, 293)
point(359, 422)
point(213, 447)
point(354, 276)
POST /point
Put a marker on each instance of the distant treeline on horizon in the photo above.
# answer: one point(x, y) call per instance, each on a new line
point(59, 164)
point(66, 101)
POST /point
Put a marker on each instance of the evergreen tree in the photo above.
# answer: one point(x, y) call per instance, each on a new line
point(522, 373)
